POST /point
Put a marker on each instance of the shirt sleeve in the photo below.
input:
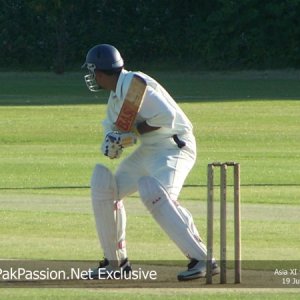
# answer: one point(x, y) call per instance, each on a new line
point(111, 115)
point(156, 111)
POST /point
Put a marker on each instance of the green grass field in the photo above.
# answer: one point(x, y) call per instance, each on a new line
point(50, 132)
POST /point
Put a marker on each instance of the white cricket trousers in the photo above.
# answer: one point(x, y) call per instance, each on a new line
point(166, 162)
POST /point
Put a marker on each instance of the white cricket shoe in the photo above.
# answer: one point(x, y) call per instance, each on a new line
point(197, 269)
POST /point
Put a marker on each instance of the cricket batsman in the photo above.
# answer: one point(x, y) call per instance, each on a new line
point(139, 108)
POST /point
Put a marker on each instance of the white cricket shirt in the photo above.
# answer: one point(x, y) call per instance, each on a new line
point(158, 109)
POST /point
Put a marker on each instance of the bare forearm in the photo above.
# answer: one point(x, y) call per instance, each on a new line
point(145, 128)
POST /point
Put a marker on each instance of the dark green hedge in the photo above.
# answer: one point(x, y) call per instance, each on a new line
point(205, 34)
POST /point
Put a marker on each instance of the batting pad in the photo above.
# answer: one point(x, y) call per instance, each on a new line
point(110, 215)
point(175, 220)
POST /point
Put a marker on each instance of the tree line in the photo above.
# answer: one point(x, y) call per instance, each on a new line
point(197, 34)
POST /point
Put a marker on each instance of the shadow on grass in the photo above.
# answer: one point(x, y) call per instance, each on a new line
point(19, 89)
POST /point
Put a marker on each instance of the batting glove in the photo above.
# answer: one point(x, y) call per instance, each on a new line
point(124, 139)
point(110, 149)
point(115, 141)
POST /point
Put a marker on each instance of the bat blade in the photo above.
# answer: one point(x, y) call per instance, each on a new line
point(132, 103)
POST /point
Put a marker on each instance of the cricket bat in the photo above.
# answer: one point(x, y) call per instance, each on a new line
point(132, 103)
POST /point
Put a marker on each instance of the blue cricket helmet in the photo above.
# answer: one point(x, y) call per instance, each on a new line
point(103, 57)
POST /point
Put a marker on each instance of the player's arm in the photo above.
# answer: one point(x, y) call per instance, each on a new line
point(155, 112)
point(143, 127)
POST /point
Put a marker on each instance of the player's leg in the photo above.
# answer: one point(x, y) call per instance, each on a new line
point(159, 193)
point(174, 167)
point(129, 172)
point(110, 218)
point(174, 221)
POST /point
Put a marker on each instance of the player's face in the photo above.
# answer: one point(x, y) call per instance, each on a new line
point(103, 80)
point(99, 78)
